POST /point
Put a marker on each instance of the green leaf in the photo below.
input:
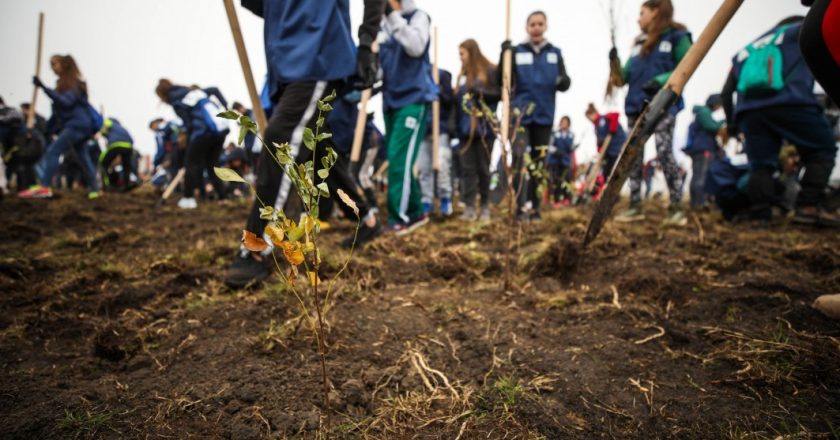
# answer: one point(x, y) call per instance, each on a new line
point(323, 137)
point(267, 213)
point(296, 233)
point(330, 98)
point(323, 173)
point(247, 123)
point(324, 107)
point(323, 189)
point(309, 139)
point(243, 131)
point(320, 122)
point(230, 114)
point(228, 175)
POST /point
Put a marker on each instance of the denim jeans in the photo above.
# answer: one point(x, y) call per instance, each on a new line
point(68, 138)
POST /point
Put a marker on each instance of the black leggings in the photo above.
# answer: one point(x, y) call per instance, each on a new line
point(202, 155)
point(821, 54)
point(296, 109)
point(125, 160)
point(534, 136)
point(475, 165)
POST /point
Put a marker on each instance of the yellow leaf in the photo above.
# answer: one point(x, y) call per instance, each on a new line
point(275, 234)
point(228, 175)
point(252, 242)
point(348, 201)
point(292, 253)
point(313, 278)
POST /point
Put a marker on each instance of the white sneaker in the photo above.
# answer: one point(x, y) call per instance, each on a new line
point(187, 203)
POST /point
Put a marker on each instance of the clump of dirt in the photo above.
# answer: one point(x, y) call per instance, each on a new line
point(115, 343)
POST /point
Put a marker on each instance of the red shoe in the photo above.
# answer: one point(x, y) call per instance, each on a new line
point(36, 192)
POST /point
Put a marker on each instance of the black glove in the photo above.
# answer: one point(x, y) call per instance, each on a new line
point(367, 66)
point(807, 3)
point(507, 45)
point(37, 82)
point(613, 54)
point(651, 87)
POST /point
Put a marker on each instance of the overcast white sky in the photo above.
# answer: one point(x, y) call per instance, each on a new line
point(124, 46)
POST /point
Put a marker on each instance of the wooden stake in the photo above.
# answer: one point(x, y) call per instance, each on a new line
point(436, 109)
point(30, 117)
point(256, 104)
point(361, 119)
point(507, 61)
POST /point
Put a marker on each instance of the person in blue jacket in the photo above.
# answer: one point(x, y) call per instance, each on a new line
point(197, 109)
point(442, 185)
point(305, 63)
point(767, 119)
point(119, 145)
point(656, 53)
point(78, 121)
point(607, 128)
point(538, 72)
point(168, 157)
point(476, 91)
point(407, 94)
point(702, 146)
point(559, 163)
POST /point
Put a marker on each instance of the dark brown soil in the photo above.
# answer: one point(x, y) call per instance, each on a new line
point(115, 324)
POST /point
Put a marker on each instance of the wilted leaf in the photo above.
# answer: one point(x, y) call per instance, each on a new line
point(292, 253)
point(313, 278)
point(275, 234)
point(267, 213)
point(252, 242)
point(228, 175)
point(348, 201)
point(309, 139)
point(230, 114)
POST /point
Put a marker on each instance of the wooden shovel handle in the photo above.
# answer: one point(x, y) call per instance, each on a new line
point(236, 30)
point(30, 117)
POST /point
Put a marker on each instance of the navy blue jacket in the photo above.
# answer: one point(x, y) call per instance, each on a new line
point(536, 78)
point(609, 125)
point(116, 133)
point(702, 133)
point(306, 40)
point(488, 93)
point(341, 122)
point(406, 79)
point(197, 111)
point(642, 69)
point(799, 81)
point(166, 138)
point(724, 179)
point(564, 144)
point(72, 110)
point(446, 99)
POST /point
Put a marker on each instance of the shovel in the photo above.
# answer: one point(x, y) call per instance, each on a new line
point(653, 114)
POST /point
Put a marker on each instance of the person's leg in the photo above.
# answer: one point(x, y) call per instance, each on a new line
point(482, 170)
point(50, 161)
point(520, 183)
point(762, 145)
point(665, 153)
point(211, 160)
point(427, 175)
point(127, 166)
point(105, 163)
point(192, 166)
point(407, 128)
point(636, 174)
point(540, 137)
point(698, 174)
point(469, 167)
point(444, 175)
point(296, 109)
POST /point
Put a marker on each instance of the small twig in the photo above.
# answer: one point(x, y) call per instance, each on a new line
point(701, 234)
point(650, 338)
point(615, 297)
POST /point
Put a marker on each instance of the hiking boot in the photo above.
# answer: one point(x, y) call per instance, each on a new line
point(631, 215)
point(485, 214)
point(469, 214)
point(676, 217)
point(446, 207)
point(246, 270)
point(187, 203)
point(36, 192)
point(365, 235)
point(815, 216)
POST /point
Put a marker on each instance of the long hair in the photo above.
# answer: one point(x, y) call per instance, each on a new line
point(70, 77)
point(162, 89)
point(663, 20)
point(477, 66)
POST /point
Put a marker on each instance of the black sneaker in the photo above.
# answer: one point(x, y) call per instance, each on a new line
point(366, 235)
point(246, 270)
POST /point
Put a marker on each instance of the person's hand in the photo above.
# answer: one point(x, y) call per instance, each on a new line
point(613, 54)
point(37, 82)
point(651, 87)
point(507, 45)
point(367, 66)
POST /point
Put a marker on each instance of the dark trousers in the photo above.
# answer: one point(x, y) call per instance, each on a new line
point(561, 178)
point(803, 126)
point(475, 166)
point(700, 162)
point(202, 155)
point(296, 109)
point(822, 19)
point(125, 160)
point(533, 136)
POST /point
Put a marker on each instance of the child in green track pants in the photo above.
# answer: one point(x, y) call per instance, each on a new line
point(406, 128)
point(408, 90)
